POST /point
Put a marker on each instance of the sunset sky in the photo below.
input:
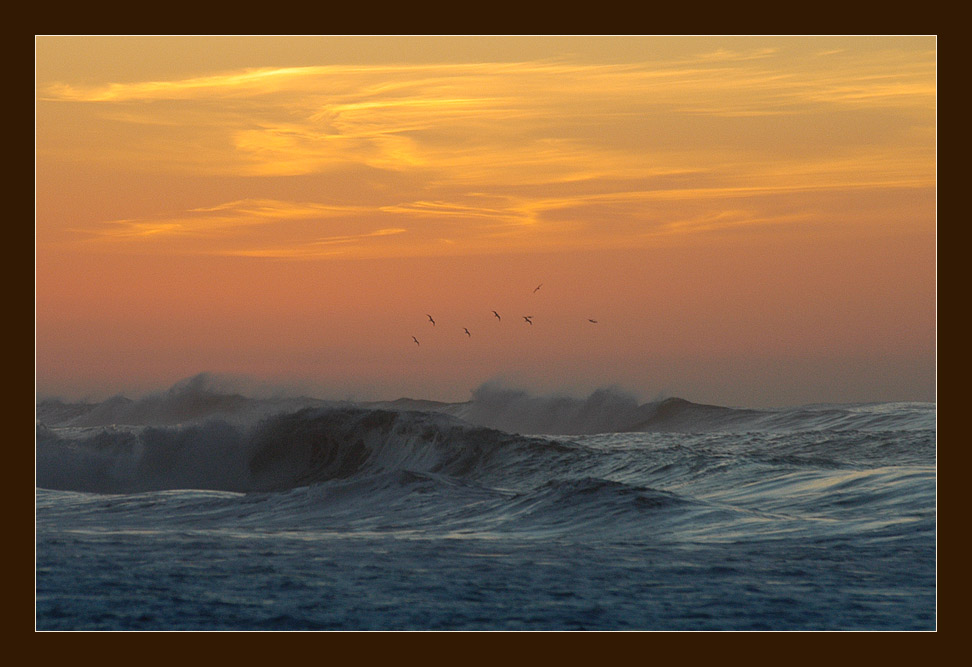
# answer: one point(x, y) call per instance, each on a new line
point(750, 220)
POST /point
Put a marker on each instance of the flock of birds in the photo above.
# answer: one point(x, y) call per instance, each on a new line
point(527, 318)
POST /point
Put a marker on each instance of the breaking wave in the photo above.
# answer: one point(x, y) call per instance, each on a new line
point(277, 452)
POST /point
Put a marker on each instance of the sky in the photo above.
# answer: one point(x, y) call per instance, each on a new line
point(749, 221)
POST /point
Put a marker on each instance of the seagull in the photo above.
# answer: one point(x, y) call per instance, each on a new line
point(416, 340)
point(537, 287)
point(467, 331)
point(592, 321)
point(527, 318)
point(430, 319)
point(497, 316)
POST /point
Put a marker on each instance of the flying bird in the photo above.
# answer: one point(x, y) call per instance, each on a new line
point(416, 340)
point(467, 331)
point(527, 318)
point(592, 321)
point(430, 319)
point(497, 316)
point(537, 287)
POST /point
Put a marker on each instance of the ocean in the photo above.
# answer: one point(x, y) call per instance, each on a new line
point(206, 510)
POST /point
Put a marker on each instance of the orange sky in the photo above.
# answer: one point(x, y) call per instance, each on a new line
point(751, 221)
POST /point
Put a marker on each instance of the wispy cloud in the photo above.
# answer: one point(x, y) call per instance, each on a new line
point(736, 55)
point(276, 209)
point(259, 80)
point(321, 248)
point(470, 152)
point(249, 228)
point(310, 119)
point(221, 220)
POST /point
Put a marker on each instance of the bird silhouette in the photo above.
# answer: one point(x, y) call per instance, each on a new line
point(497, 316)
point(527, 318)
point(416, 340)
point(430, 319)
point(537, 287)
point(592, 321)
point(467, 331)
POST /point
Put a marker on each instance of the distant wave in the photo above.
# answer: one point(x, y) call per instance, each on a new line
point(201, 397)
point(614, 411)
point(198, 436)
point(607, 410)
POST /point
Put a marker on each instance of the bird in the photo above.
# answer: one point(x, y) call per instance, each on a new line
point(467, 331)
point(416, 340)
point(537, 287)
point(527, 318)
point(592, 321)
point(430, 319)
point(497, 316)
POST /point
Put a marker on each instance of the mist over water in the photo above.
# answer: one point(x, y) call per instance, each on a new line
point(509, 510)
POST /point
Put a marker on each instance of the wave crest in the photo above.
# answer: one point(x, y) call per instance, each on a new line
point(278, 452)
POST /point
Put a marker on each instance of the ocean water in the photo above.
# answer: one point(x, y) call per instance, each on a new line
point(198, 509)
